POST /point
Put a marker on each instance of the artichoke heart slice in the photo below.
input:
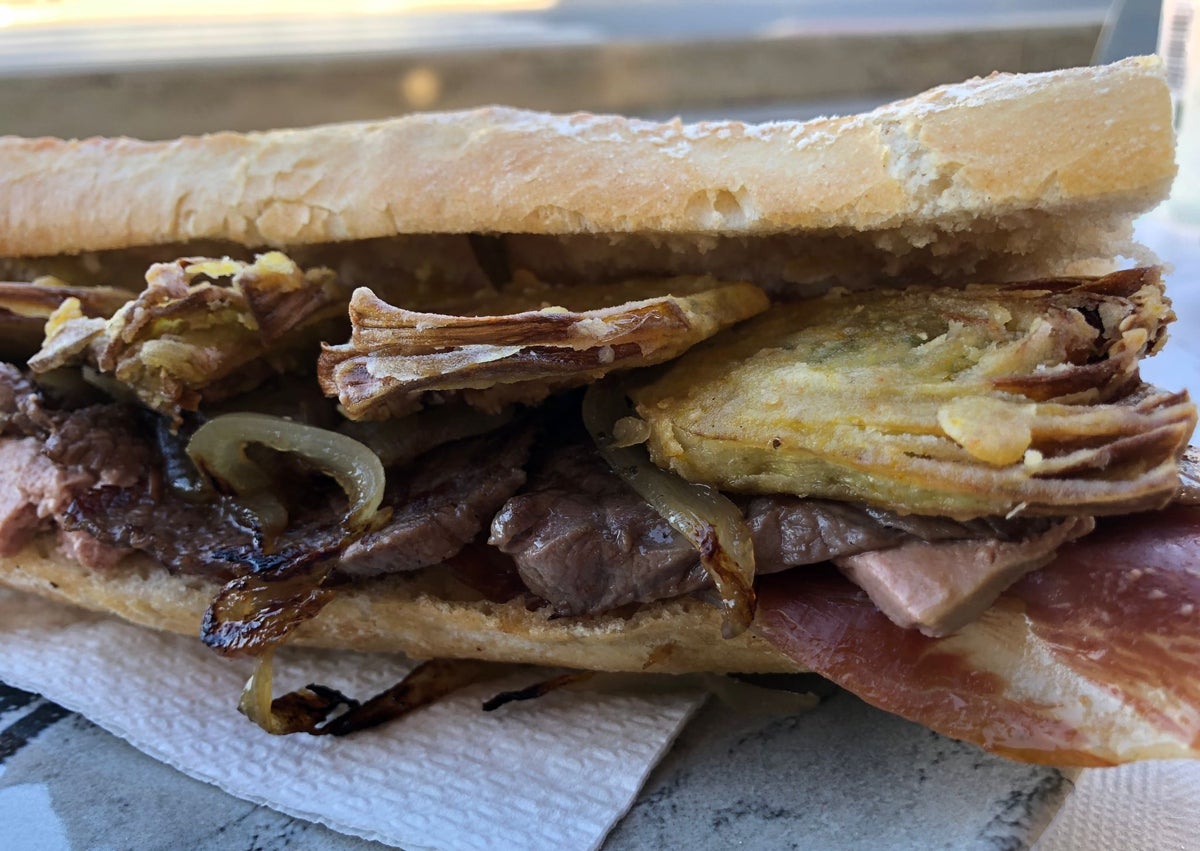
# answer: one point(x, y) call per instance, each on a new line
point(520, 345)
point(959, 402)
point(203, 329)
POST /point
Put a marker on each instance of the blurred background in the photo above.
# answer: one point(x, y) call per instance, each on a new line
point(161, 69)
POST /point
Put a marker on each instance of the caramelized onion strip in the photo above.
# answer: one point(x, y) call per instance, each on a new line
point(219, 449)
point(312, 709)
point(700, 513)
point(259, 610)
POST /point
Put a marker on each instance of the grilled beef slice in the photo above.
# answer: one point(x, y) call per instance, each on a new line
point(49, 457)
point(585, 541)
point(437, 505)
point(441, 502)
point(97, 472)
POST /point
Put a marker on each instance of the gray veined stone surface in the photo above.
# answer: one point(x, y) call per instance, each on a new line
point(74, 786)
point(844, 776)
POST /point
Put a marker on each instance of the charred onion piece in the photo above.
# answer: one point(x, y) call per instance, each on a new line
point(295, 712)
point(219, 449)
point(396, 356)
point(538, 689)
point(700, 513)
point(260, 610)
point(306, 710)
point(788, 694)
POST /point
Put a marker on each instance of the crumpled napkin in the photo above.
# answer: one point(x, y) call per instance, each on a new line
point(554, 773)
point(1146, 806)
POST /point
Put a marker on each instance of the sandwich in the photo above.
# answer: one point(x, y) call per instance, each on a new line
point(857, 396)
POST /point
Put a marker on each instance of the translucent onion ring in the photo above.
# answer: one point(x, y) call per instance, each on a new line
point(219, 449)
point(700, 513)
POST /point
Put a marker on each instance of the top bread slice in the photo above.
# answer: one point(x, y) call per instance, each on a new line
point(1092, 143)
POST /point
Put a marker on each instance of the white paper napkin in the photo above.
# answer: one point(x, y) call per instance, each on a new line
point(556, 773)
point(1146, 806)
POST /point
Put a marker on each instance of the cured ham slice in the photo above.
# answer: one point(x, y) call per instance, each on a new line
point(1093, 660)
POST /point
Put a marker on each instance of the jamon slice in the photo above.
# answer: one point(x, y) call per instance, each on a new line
point(1093, 660)
point(396, 358)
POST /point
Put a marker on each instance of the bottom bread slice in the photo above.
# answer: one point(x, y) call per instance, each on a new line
point(418, 615)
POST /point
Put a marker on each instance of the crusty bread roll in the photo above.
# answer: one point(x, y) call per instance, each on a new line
point(1008, 176)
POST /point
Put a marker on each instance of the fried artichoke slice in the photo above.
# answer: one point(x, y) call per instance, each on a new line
point(985, 401)
point(202, 329)
point(537, 340)
point(25, 307)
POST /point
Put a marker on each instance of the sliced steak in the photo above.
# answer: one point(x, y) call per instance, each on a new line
point(184, 536)
point(19, 521)
point(20, 404)
point(586, 542)
point(49, 457)
point(66, 455)
point(14, 386)
point(105, 442)
point(438, 504)
point(39, 493)
point(441, 502)
point(790, 531)
point(90, 551)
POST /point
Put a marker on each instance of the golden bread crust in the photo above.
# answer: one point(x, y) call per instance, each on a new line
point(405, 615)
point(982, 149)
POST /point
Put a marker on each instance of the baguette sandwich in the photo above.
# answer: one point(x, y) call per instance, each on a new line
point(858, 396)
